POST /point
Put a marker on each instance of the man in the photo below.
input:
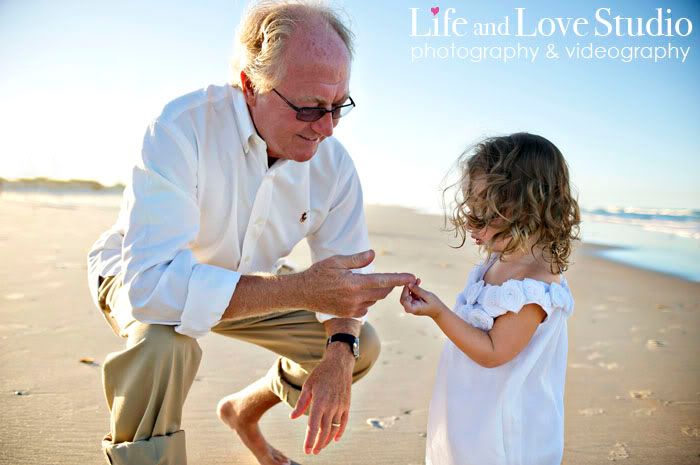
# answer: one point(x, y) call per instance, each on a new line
point(229, 180)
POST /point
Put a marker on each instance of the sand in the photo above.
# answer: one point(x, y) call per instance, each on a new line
point(632, 393)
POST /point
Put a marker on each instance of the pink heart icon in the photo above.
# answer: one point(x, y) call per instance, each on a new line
point(435, 10)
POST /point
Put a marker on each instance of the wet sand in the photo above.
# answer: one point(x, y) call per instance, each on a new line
point(633, 385)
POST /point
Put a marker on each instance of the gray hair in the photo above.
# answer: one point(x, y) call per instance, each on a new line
point(263, 33)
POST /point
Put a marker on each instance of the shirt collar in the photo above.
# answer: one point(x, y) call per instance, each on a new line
point(246, 128)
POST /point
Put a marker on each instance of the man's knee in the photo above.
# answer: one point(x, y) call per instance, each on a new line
point(370, 347)
point(158, 339)
point(153, 347)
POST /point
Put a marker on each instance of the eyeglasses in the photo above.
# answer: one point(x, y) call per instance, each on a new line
point(311, 114)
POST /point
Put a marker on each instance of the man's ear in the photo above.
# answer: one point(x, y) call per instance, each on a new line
point(248, 89)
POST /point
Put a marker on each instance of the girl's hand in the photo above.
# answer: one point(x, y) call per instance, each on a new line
point(418, 301)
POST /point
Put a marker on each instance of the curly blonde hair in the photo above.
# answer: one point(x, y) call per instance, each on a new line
point(526, 197)
point(263, 33)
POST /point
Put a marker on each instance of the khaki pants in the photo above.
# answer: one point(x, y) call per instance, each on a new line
point(146, 384)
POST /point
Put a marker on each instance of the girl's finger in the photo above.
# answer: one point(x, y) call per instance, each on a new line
point(405, 296)
point(419, 291)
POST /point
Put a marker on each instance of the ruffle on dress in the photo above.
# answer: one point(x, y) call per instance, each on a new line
point(480, 303)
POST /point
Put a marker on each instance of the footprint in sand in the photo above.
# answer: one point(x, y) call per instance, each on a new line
point(643, 412)
point(670, 328)
point(580, 365)
point(594, 345)
point(382, 423)
point(655, 344)
point(609, 366)
point(640, 394)
point(664, 308)
point(594, 356)
point(12, 326)
point(691, 432)
point(70, 266)
point(589, 412)
point(14, 296)
point(618, 452)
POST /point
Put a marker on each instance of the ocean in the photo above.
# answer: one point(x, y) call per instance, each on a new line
point(663, 240)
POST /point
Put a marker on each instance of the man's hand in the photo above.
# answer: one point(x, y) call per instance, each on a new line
point(327, 392)
point(330, 287)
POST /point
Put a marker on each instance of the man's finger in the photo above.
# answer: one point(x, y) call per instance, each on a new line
point(341, 430)
point(312, 430)
point(335, 425)
point(378, 280)
point(302, 403)
point(358, 260)
point(323, 433)
point(378, 293)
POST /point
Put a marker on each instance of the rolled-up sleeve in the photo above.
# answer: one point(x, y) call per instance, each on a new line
point(164, 282)
point(344, 230)
point(104, 259)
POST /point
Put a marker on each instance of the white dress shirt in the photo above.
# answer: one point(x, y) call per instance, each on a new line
point(203, 208)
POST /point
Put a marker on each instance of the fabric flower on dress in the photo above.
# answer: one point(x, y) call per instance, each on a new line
point(490, 302)
point(511, 296)
point(534, 290)
point(473, 292)
point(560, 298)
point(547, 303)
point(480, 319)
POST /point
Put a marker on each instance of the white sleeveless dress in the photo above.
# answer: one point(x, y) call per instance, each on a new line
point(512, 414)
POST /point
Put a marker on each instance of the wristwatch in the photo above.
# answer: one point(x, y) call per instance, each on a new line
point(349, 339)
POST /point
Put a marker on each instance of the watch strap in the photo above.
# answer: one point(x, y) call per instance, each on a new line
point(349, 339)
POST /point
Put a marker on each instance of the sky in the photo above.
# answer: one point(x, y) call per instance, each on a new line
point(80, 82)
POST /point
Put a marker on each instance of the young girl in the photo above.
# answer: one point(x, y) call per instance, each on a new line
point(498, 395)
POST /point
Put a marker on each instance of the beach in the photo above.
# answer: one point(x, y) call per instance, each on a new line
point(633, 379)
